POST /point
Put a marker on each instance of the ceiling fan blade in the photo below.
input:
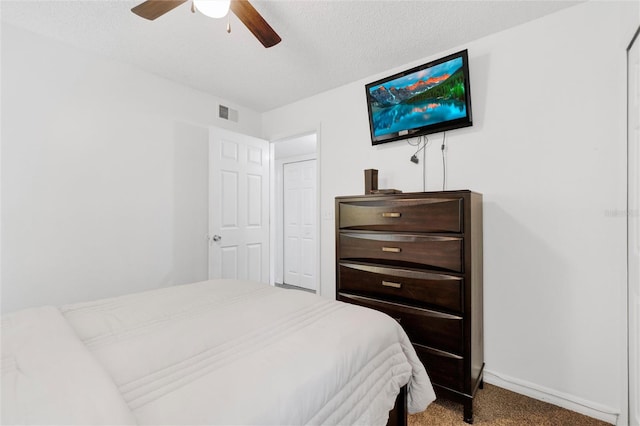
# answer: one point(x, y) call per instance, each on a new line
point(152, 9)
point(255, 22)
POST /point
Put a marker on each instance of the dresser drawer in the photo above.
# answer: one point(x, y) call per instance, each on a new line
point(444, 369)
point(429, 328)
point(406, 215)
point(404, 285)
point(403, 249)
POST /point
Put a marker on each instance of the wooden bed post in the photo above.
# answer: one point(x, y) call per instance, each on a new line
point(398, 416)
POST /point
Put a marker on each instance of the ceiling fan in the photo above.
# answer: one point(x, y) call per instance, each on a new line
point(250, 17)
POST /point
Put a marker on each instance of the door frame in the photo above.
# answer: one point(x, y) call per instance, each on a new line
point(274, 185)
point(633, 224)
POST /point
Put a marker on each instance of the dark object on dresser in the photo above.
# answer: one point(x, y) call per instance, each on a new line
point(370, 181)
point(418, 258)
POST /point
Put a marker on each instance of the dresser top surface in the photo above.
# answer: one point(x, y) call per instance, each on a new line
point(435, 194)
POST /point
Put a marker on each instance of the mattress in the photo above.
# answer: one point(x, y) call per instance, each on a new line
point(214, 352)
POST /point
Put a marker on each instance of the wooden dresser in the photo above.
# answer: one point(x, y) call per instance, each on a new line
point(418, 258)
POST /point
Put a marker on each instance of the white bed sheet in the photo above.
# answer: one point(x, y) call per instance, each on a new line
point(238, 352)
point(49, 377)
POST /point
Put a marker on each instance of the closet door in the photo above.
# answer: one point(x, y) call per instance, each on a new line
point(300, 223)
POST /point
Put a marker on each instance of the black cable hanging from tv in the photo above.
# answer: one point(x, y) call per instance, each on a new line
point(444, 163)
point(424, 163)
point(414, 158)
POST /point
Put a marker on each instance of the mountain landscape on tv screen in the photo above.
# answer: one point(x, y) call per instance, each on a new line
point(424, 98)
point(444, 86)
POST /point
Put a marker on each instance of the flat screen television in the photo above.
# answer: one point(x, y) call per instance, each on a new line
point(430, 98)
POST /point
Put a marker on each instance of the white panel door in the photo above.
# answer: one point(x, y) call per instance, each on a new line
point(300, 224)
point(238, 206)
point(633, 229)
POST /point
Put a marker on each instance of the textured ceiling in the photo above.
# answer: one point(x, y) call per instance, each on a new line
point(325, 44)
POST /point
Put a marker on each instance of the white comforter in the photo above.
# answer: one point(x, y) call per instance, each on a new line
point(215, 352)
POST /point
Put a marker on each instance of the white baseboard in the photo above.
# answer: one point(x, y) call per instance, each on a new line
point(570, 402)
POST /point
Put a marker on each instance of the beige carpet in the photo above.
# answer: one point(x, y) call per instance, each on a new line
point(497, 406)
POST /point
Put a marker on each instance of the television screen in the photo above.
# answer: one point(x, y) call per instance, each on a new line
point(431, 98)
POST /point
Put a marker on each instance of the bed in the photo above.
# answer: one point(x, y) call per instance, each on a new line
point(214, 352)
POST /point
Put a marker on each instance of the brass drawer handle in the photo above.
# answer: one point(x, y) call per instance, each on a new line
point(391, 249)
point(391, 284)
point(391, 214)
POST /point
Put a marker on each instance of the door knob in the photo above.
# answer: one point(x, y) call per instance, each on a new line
point(217, 238)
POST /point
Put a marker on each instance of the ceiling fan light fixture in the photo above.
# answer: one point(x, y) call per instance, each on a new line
point(213, 8)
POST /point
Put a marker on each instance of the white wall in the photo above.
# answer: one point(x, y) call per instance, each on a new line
point(104, 175)
point(547, 150)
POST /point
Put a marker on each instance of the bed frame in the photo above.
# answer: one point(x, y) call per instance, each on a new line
point(398, 416)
